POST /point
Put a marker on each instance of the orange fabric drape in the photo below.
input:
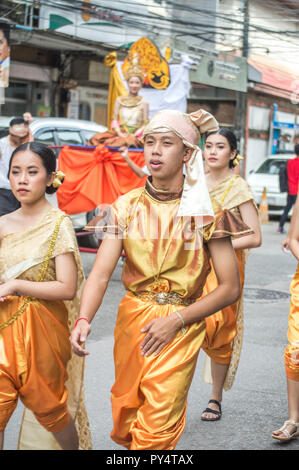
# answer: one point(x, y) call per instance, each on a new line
point(95, 177)
point(291, 354)
point(221, 327)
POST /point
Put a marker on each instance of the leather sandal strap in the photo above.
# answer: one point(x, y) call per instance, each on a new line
point(291, 421)
point(287, 423)
point(210, 410)
point(216, 403)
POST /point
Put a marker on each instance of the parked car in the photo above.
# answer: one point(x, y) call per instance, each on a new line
point(267, 176)
point(62, 131)
point(58, 131)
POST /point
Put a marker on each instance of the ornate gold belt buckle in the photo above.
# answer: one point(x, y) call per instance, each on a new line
point(161, 298)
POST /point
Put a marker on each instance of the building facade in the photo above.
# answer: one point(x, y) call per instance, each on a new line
point(245, 60)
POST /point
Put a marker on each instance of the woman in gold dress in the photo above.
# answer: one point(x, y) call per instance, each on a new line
point(169, 230)
point(41, 280)
point(290, 428)
point(224, 329)
point(129, 116)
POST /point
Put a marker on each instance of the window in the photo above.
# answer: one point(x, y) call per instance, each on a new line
point(16, 99)
point(46, 137)
point(84, 111)
point(88, 134)
point(68, 137)
point(271, 167)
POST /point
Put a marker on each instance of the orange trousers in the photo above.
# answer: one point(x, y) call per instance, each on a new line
point(34, 351)
point(221, 327)
point(291, 354)
point(149, 396)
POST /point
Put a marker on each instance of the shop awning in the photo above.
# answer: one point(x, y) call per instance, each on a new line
point(274, 74)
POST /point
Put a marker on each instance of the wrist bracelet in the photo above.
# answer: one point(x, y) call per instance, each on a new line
point(81, 318)
point(182, 320)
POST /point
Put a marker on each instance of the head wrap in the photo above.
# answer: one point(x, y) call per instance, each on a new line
point(195, 199)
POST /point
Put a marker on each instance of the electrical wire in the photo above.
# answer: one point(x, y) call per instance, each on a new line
point(174, 25)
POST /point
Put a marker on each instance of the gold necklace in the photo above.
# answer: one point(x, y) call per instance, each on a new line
point(157, 275)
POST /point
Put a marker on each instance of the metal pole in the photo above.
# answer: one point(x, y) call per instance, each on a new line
point(242, 95)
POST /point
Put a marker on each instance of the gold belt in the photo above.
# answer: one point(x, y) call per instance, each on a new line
point(163, 298)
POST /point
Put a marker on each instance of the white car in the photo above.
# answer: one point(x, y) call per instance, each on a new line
point(62, 131)
point(267, 176)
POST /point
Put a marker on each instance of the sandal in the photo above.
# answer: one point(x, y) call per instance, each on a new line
point(287, 434)
point(214, 412)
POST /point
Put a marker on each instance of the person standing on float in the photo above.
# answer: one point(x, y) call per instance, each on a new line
point(130, 114)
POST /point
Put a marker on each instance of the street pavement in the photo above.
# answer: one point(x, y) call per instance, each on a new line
point(257, 403)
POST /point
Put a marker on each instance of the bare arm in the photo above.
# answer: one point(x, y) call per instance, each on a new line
point(293, 234)
point(63, 288)
point(293, 228)
point(137, 170)
point(145, 112)
point(250, 217)
point(116, 118)
point(94, 290)
point(161, 331)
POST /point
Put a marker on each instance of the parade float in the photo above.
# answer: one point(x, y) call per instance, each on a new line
point(97, 174)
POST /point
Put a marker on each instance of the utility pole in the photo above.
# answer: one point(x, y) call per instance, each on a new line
point(242, 97)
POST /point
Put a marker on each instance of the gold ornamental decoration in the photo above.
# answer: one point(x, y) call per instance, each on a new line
point(155, 67)
point(86, 9)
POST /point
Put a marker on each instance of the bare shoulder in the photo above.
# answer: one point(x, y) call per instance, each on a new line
point(4, 222)
point(8, 223)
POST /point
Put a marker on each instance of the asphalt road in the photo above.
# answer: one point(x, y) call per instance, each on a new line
point(257, 403)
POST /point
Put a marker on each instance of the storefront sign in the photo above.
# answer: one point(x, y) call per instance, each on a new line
point(282, 133)
point(96, 22)
point(214, 68)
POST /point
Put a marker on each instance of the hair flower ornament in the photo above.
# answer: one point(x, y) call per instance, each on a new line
point(237, 159)
point(59, 177)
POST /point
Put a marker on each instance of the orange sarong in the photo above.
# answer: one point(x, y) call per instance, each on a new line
point(35, 350)
point(150, 393)
point(221, 327)
point(291, 355)
point(95, 177)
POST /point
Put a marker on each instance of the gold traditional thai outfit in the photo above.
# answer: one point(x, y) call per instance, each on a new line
point(291, 355)
point(166, 265)
point(130, 119)
point(36, 363)
point(224, 329)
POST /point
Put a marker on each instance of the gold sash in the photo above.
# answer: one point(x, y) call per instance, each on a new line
point(40, 278)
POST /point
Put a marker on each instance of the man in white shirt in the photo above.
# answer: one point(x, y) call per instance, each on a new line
point(18, 134)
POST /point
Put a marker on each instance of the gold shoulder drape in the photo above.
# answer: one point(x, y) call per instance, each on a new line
point(230, 193)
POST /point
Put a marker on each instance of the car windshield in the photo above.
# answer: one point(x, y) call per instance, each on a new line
point(271, 167)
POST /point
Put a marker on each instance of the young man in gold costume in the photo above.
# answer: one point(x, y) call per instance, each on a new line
point(169, 230)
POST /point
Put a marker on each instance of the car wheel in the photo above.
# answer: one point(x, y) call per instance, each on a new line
point(90, 241)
